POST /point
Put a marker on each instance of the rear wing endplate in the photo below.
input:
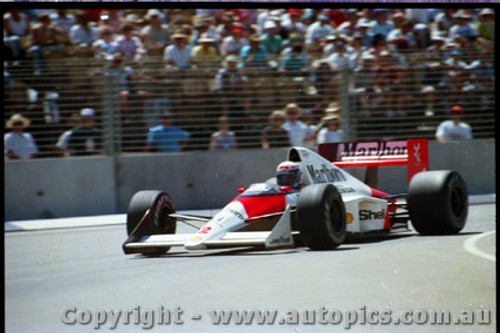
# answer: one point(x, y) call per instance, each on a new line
point(412, 153)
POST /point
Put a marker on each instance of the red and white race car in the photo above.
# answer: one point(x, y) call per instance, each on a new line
point(327, 205)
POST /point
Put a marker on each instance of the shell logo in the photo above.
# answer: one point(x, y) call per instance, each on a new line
point(349, 218)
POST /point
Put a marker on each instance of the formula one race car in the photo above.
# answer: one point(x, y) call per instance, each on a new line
point(312, 202)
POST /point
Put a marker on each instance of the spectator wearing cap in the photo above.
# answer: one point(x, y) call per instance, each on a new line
point(165, 137)
point(292, 22)
point(298, 131)
point(128, 44)
point(178, 54)
point(18, 144)
point(16, 32)
point(83, 33)
point(205, 54)
point(254, 55)
point(85, 139)
point(274, 135)
point(317, 32)
point(329, 129)
point(155, 35)
point(105, 47)
point(234, 43)
point(223, 139)
point(463, 30)
point(271, 40)
point(381, 26)
point(454, 129)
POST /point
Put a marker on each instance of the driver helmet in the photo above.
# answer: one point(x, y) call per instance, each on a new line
point(288, 174)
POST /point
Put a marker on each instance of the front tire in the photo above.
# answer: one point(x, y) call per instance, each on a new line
point(438, 202)
point(159, 221)
point(321, 217)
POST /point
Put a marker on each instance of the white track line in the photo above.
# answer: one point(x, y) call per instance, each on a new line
point(470, 245)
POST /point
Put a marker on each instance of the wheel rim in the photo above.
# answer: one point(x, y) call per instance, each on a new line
point(333, 212)
point(458, 201)
point(166, 222)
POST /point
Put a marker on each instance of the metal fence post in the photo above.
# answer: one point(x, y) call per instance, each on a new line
point(111, 113)
point(346, 106)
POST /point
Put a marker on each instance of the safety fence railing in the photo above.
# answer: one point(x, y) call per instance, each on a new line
point(379, 101)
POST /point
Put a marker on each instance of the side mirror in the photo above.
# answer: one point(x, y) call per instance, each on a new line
point(240, 190)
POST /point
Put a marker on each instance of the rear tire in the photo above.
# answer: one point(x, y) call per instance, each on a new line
point(161, 206)
point(438, 202)
point(321, 217)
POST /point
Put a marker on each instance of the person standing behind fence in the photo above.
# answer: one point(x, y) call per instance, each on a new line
point(166, 138)
point(454, 129)
point(85, 139)
point(297, 130)
point(274, 135)
point(19, 145)
point(223, 139)
point(330, 131)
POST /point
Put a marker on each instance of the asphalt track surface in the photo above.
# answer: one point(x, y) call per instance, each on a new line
point(49, 270)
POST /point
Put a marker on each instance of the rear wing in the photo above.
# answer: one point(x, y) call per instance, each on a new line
point(412, 153)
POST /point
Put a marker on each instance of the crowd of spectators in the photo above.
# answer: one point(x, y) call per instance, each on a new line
point(453, 47)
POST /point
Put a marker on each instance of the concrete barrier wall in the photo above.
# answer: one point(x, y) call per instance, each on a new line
point(104, 185)
point(59, 188)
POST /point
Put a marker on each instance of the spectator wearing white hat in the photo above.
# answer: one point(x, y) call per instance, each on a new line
point(271, 40)
point(18, 144)
point(155, 35)
point(178, 54)
point(205, 54)
point(85, 139)
point(330, 131)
